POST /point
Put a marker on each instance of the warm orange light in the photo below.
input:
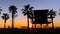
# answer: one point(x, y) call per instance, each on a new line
point(30, 26)
point(23, 22)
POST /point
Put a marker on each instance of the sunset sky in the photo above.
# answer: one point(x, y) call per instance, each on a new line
point(21, 20)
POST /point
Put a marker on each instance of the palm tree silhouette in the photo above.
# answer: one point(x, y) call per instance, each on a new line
point(28, 11)
point(59, 13)
point(13, 11)
point(5, 17)
point(52, 15)
point(0, 10)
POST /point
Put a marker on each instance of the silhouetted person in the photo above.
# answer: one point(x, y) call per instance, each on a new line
point(5, 17)
point(27, 11)
point(13, 11)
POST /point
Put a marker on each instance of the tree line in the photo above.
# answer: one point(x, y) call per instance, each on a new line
point(27, 10)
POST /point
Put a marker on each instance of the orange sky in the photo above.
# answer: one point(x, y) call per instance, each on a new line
point(23, 22)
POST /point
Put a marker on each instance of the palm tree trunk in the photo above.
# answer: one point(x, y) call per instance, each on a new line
point(35, 26)
point(28, 21)
point(12, 20)
point(32, 22)
point(46, 25)
point(4, 23)
point(32, 25)
point(52, 23)
point(41, 25)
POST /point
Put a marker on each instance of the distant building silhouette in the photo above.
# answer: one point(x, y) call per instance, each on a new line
point(41, 16)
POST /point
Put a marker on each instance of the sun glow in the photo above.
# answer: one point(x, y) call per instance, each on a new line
point(23, 22)
point(30, 26)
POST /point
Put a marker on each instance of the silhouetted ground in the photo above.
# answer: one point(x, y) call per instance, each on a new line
point(26, 31)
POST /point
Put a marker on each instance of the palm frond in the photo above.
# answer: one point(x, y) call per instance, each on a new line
point(27, 10)
point(0, 11)
point(12, 8)
point(59, 13)
point(31, 8)
point(2, 17)
point(5, 16)
point(27, 7)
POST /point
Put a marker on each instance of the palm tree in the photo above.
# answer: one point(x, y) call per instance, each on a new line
point(59, 13)
point(27, 11)
point(31, 15)
point(5, 17)
point(13, 11)
point(52, 15)
point(0, 10)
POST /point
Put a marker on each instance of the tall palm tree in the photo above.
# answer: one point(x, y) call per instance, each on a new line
point(31, 15)
point(27, 11)
point(13, 11)
point(52, 15)
point(5, 17)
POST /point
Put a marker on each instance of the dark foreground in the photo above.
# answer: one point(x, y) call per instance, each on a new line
point(26, 31)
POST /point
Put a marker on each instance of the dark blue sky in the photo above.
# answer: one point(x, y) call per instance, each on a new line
point(37, 4)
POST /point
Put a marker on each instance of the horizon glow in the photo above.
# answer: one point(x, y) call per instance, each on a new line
point(21, 20)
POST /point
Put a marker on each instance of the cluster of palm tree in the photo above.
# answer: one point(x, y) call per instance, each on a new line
point(26, 11)
point(29, 12)
point(5, 17)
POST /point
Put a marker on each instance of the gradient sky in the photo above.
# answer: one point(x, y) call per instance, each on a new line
point(21, 20)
